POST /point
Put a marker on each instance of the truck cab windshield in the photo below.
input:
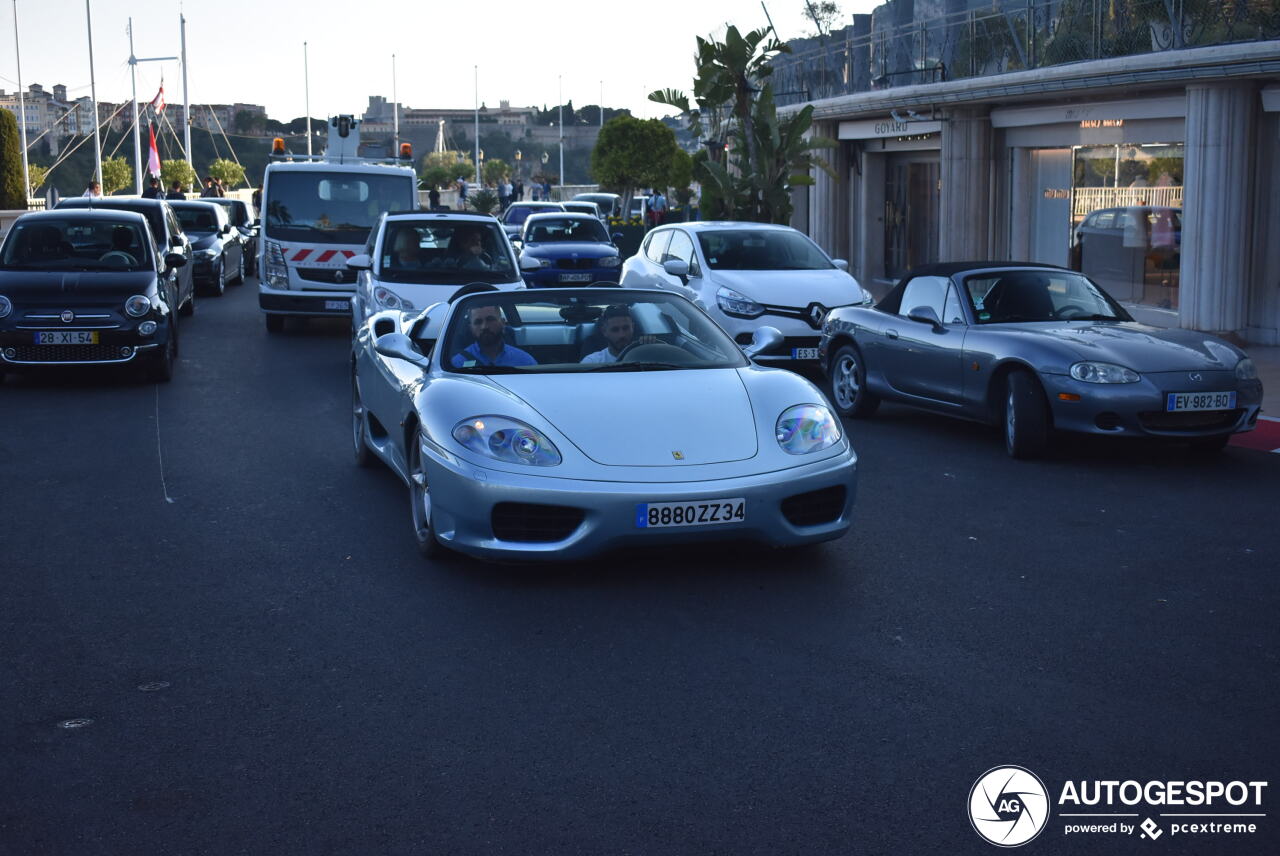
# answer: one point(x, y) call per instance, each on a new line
point(332, 208)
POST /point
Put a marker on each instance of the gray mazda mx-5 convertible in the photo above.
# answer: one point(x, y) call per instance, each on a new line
point(1035, 348)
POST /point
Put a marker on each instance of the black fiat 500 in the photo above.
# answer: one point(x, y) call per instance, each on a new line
point(80, 287)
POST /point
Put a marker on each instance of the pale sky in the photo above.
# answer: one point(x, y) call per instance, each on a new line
point(252, 51)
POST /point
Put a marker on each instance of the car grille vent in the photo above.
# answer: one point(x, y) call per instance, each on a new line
point(522, 521)
point(576, 264)
point(333, 276)
point(815, 507)
point(68, 354)
point(1196, 420)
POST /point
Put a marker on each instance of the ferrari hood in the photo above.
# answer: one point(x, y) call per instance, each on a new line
point(646, 418)
point(794, 288)
point(1146, 349)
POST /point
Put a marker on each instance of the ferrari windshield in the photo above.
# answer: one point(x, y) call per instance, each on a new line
point(76, 245)
point(583, 330)
point(446, 252)
point(1039, 295)
point(761, 249)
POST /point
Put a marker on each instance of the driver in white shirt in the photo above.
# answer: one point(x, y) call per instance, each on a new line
point(618, 328)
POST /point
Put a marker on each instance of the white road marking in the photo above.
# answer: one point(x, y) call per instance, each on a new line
point(160, 454)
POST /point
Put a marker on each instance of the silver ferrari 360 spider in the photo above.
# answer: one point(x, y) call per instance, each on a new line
point(1035, 348)
point(557, 423)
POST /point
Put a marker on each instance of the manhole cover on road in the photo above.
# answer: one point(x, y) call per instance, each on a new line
point(153, 686)
point(75, 723)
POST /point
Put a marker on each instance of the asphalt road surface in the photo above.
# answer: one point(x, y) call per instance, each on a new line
point(258, 662)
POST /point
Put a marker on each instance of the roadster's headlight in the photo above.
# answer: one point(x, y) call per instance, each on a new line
point(506, 440)
point(806, 428)
point(734, 303)
point(1091, 372)
point(388, 299)
point(137, 306)
point(1245, 369)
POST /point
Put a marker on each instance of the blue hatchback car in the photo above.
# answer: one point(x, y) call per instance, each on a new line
point(569, 249)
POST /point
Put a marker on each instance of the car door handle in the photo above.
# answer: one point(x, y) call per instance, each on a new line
point(891, 334)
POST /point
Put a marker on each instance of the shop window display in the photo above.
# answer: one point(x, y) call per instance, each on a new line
point(1126, 231)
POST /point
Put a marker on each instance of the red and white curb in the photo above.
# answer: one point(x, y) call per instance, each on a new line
point(1265, 437)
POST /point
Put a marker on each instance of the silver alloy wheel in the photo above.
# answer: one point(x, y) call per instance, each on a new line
point(357, 415)
point(845, 382)
point(420, 501)
point(1010, 420)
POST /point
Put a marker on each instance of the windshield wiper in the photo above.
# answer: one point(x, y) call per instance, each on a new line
point(637, 367)
point(1094, 317)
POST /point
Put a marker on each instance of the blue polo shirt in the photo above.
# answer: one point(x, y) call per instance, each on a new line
point(510, 356)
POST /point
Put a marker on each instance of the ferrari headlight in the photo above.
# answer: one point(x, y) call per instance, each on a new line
point(611, 261)
point(388, 299)
point(1245, 369)
point(806, 428)
point(137, 306)
point(506, 440)
point(1091, 372)
point(734, 303)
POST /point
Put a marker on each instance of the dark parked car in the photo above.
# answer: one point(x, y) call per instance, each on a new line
point(1035, 348)
point(165, 228)
point(245, 220)
point(569, 249)
point(218, 251)
point(79, 287)
point(517, 212)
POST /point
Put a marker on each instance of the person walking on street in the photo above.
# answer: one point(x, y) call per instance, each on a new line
point(433, 198)
point(153, 190)
point(657, 207)
point(176, 191)
point(210, 188)
point(94, 190)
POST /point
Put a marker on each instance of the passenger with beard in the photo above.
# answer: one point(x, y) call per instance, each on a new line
point(487, 325)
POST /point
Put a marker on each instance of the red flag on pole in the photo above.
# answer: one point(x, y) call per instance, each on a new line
point(157, 103)
point(153, 159)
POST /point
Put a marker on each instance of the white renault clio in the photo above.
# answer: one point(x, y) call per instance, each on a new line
point(748, 275)
point(416, 259)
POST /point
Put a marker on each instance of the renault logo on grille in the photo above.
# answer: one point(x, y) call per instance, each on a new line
point(815, 313)
point(337, 276)
point(1196, 376)
point(67, 316)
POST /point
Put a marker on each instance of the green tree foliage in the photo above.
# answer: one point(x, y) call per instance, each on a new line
point(443, 169)
point(483, 201)
point(495, 170)
point(751, 178)
point(116, 175)
point(177, 170)
point(633, 153)
point(37, 175)
point(12, 196)
point(681, 176)
point(824, 15)
point(228, 172)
